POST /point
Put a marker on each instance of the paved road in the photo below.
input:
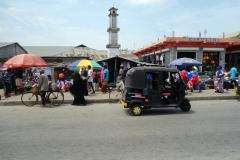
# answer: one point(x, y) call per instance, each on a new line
point(107, 131)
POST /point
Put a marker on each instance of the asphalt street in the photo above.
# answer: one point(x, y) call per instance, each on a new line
point(210, 130)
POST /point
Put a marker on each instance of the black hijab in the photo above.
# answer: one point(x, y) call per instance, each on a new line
point(77, 87)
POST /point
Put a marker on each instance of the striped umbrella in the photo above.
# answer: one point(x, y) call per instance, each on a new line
point(77, 65)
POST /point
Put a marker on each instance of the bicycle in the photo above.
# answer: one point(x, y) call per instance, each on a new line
point(115, 94)
point(30, 98)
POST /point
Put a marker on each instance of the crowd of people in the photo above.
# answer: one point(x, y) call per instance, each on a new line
point(193, 82)
point(88, 80)
point(91, 80)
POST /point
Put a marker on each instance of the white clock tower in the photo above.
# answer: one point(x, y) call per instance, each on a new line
point(113, 46)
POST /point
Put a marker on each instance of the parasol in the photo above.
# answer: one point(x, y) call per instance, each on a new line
point(25, 61)
point(185, 62)
point(77, 65)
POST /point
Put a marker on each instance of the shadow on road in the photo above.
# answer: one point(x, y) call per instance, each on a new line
point(162, 111)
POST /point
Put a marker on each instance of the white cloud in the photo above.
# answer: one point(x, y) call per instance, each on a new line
point(40, 21)
point(12, 9)
point(147, 2)
point(91, 2)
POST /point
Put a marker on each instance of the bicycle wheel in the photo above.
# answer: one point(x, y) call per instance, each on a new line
point(57, 98)
point(29, 99)
point(115, 95)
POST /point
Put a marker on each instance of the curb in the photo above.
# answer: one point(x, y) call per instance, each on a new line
point(90, 101)
point(212, 98)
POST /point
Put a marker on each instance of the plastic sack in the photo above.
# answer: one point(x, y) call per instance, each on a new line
point(122, 85)
point(54, 86)
point(236, 90)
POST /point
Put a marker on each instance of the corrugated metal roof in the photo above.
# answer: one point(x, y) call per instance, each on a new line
point(128, 59)
point(61, 51)
point(231, 35)
point(104, 59)
point(47, 51)
point(128, 54)
point(84, 52)
point(3, 44)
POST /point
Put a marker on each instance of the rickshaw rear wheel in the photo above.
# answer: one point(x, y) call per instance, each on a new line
point(136, 110)
point(185, 106)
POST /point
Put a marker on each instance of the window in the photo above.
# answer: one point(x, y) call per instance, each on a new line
point(152, 81)
point(176, 77)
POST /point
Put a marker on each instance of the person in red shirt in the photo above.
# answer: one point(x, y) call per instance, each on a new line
point(95, 80)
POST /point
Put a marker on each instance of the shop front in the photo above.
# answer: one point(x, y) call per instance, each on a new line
point(209, 51)
point(233, 56)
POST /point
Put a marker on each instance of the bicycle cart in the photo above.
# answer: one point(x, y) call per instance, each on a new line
point(30, 98)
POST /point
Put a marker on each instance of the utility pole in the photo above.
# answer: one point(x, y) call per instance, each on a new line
point(205, 32)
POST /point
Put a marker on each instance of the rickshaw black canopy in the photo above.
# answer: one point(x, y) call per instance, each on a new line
point(136, 77)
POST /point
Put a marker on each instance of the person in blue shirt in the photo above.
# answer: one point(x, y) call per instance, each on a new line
point(233, 73)
point(105, 79)
point(7, 77)
point(149, 79)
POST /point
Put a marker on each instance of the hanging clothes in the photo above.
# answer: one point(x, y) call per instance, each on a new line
point(161, 59)
point(157, 58)
point(124, 63)
point(128, 65)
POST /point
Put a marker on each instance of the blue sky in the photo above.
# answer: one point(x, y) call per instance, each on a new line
point(75, 22)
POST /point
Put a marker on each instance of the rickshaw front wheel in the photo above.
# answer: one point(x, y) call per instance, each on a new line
point(136, 110)
point(185, 106)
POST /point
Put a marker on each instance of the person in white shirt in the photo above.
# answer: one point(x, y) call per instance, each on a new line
point(90, 79)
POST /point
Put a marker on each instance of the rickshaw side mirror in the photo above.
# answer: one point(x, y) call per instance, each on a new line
point(145, 92)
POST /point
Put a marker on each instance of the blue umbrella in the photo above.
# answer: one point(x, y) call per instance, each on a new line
point(185, 62)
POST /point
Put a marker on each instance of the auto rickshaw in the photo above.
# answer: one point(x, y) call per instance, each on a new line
point(154, 87)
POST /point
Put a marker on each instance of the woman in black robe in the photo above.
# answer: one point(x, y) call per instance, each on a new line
point(77, 89)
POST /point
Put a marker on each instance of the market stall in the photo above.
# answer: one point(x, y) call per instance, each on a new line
point(210, 61)
point(21, 65)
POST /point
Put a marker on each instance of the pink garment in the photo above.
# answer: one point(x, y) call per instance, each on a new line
point(101, 75)
point(62, 85)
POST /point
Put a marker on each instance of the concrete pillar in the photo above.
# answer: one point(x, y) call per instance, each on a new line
point(199, 57)
point(222, 59)
point(52, 75)
point(173, 55)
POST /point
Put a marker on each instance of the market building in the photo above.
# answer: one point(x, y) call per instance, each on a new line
point(233, 51)
point(209, 51)
point(9, 50)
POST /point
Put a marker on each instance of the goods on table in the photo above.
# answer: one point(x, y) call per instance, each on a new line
point(66, 83)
